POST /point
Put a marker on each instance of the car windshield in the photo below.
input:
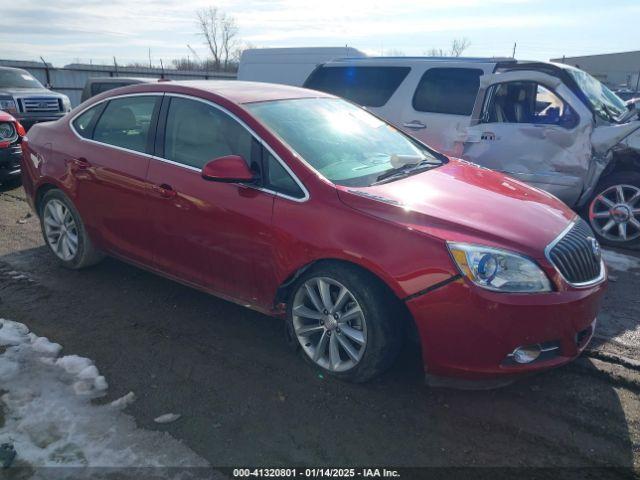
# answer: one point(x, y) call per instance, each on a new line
point(18, 79)
point(604, 102)
point(345, 143)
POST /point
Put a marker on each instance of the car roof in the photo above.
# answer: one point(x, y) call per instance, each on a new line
point(233, 90)
point(120, 79)
point(405, 60)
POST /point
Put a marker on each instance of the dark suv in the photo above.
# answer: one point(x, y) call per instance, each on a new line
point(28, 100)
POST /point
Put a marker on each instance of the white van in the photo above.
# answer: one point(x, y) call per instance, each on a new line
point(288, 66)
point(552, 126)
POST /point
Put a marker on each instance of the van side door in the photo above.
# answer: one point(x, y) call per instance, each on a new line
point(533, 127)
point(438, 109)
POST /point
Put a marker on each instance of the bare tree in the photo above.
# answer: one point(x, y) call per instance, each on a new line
point(220, 33)
point(394, 52)
point(458, 46)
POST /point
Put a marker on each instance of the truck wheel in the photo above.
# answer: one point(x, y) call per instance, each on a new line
point(64, 232)
point(345, 321)
point(614, 210)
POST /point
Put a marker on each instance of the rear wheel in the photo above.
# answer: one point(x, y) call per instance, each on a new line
point(64, 232)
point(614, 210)
point(345, 321)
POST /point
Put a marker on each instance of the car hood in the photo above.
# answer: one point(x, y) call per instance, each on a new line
point(463, 202)
point(20, 92)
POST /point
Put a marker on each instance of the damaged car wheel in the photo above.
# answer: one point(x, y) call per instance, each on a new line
point(614, 210)
point(345, 322)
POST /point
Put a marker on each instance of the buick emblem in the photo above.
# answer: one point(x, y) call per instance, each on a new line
point(595, 248)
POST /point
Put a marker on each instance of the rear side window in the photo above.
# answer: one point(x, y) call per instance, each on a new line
point(366, 86)
point(125, 122)
point(447, 90)
point(82, 124)
point(197, 133)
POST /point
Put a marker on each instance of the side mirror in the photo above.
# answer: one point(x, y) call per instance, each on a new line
point(228, 169)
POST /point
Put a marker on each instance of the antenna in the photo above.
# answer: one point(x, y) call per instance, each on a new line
point(513, 55)
point(195, 54)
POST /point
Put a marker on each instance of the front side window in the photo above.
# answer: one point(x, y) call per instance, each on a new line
point(344, 143)
point(528, 102)
point(279, 180)
point(447, 90)
point(197, 132)
point(125, 122)
point(366, 86)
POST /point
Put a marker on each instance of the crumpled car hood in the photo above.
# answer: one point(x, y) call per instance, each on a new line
point(460, 201)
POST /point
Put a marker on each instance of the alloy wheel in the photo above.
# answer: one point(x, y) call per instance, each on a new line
point(60, 230)
point(329, 324)
point(615, 213)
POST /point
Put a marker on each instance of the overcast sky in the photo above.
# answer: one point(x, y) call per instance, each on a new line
point(65, 31)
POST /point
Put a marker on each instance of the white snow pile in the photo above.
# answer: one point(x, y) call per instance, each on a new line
point(51, 421)
point(620, 261)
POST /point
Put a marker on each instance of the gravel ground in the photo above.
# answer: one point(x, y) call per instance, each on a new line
point(247, 400)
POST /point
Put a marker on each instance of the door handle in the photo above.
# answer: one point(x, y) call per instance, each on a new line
point(165, 191)
point(81, 163)
point(415, 125)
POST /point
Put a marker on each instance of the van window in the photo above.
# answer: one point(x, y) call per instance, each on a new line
point(125, 122)
point(100, 87)
point(447, 90)
point(528, 102)
point(366, 86)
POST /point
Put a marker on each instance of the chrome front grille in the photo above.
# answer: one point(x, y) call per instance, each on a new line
point(577, 255)
point(40, 105)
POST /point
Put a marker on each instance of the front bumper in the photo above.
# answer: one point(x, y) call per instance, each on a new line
point(10, 161)
point(469, 333)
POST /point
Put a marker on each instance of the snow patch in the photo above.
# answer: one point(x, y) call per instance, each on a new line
point(51, 421)
point(167, 418)
point(620, 261)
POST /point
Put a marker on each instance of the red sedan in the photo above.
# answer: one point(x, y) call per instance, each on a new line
point(301, 205)
point(11, 133)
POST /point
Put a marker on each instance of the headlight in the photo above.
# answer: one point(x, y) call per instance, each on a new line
point(8, 105)
point(7, 132)
point(499, 270)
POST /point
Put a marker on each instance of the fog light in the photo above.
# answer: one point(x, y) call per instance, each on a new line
point(526, 354)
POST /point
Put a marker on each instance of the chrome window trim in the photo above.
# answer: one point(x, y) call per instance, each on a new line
point(547, 251)
point(188, 167)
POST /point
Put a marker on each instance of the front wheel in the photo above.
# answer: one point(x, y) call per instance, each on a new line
point(346, 321)
point(614, 210)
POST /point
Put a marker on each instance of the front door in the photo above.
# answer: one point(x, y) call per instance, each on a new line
point(531, 126)
point(216, 235)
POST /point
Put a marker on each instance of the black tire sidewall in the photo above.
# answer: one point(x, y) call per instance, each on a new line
point(77, 261)
point(617, 178)
point(382, 317)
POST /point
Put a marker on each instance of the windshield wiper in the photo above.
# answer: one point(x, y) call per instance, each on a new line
point(404, 171)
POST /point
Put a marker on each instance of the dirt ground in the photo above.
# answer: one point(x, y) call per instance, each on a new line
point(245, 399)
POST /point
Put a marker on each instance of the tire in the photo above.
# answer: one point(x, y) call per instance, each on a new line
point(55, 205)
point(379, 324)
point(611, 216)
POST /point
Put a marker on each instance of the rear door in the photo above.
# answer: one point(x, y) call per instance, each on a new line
point(110, 165)
point(531, 126)
point(439, 108)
